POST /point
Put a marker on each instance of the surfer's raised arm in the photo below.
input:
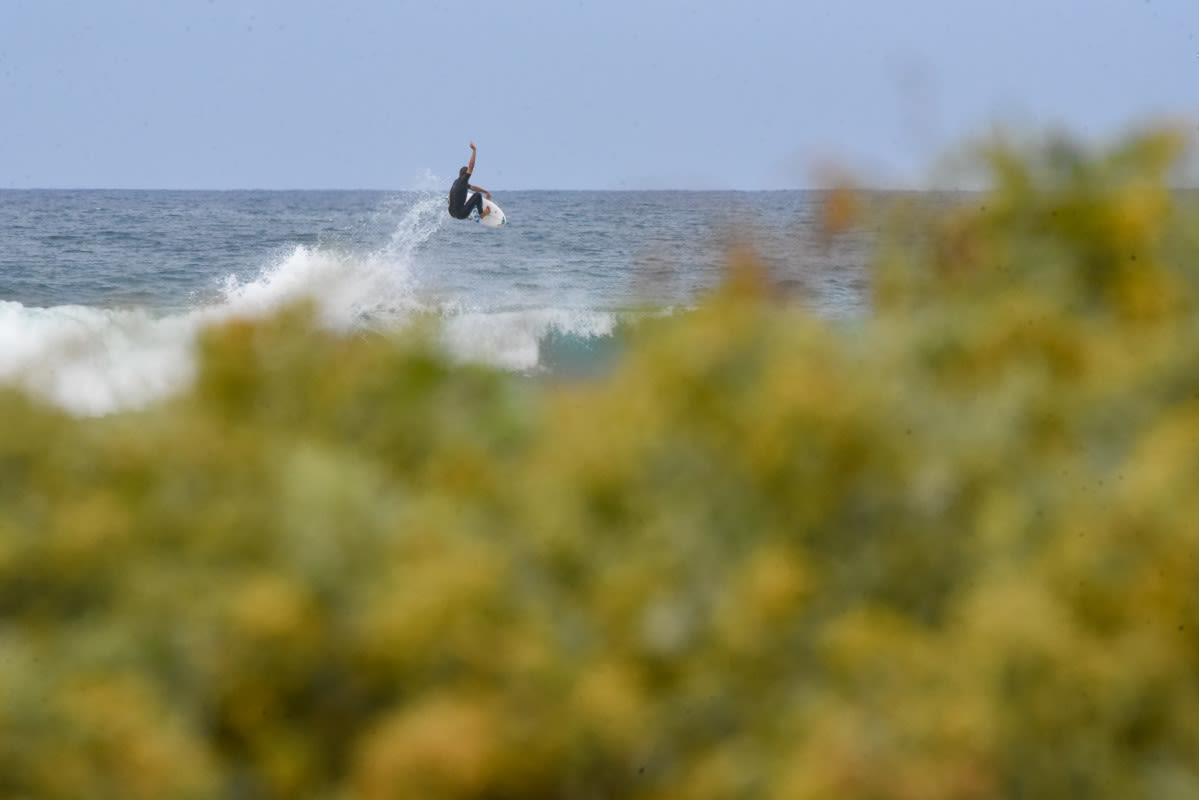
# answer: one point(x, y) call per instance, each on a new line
point(471, 166)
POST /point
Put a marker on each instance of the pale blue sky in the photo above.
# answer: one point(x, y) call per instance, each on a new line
point(570, 94)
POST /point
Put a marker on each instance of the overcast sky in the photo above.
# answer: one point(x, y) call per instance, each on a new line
point(563, 94)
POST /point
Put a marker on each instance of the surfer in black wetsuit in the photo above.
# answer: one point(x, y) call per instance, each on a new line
point(459, 206)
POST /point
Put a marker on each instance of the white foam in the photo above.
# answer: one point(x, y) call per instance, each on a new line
point(94, 361)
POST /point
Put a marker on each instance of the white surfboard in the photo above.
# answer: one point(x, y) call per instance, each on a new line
point(494, 219)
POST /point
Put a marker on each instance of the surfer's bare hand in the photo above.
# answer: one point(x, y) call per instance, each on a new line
point(472, 145)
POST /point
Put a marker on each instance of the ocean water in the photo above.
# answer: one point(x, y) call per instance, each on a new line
point(102, 293)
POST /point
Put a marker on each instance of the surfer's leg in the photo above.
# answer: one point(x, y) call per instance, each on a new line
point(475, 202)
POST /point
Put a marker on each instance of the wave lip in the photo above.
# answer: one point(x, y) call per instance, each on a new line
point(516, 339)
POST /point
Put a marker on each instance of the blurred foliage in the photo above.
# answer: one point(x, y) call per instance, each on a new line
point(946, 552)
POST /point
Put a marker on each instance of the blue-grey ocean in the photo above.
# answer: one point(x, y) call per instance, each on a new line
point(102, 293)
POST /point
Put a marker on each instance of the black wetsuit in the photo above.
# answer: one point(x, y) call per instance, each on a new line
point(459, 206)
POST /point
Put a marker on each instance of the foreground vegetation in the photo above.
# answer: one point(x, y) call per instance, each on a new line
point(946, 552)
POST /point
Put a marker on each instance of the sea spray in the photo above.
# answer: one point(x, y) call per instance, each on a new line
point(350, 289)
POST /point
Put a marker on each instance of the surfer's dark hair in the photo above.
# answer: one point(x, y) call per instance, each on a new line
point(461, 172)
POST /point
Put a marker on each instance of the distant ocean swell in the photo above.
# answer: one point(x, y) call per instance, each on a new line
point(94, 361)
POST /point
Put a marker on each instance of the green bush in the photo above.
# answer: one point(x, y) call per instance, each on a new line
point(945, 552)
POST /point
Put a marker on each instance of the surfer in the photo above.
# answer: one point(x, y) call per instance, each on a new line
point(459, 206)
